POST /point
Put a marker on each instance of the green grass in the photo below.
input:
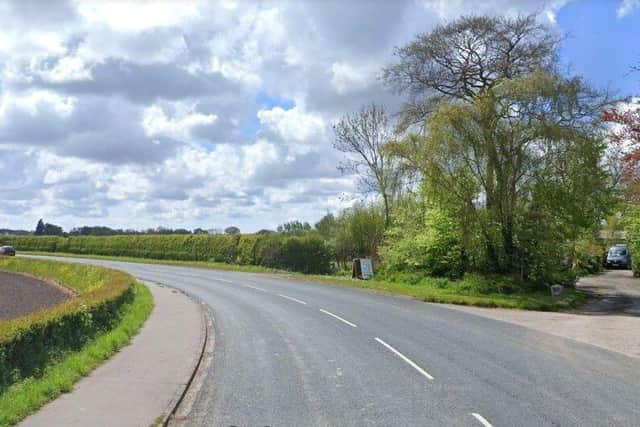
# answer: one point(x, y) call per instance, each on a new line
point(26, 396)
point(472, 290)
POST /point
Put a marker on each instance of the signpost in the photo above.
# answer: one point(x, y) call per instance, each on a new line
point(366, 267)
point(362, 268)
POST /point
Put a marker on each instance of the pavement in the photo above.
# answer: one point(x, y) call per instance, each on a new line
point(294, 353)
point(21, 295)
point(611, 320)
point(144, 381)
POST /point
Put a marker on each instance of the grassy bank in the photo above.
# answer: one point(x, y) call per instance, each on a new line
point(29, 394)
point(472, 290)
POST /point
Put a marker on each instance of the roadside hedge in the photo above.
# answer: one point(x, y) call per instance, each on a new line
point(304, 254)
point(29, 344)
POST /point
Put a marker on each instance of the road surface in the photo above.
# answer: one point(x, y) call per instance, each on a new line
point(290, 353)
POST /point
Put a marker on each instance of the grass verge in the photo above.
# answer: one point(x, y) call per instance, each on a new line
point(472, 290)
point(26, 396)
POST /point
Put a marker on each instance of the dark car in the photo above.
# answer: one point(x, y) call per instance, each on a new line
point(618, 256)
point(7, 251)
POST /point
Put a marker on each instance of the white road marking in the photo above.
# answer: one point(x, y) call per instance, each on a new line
point(482, 419)
point(293, 299)
point(223, 280)
point(339, 318)
point(406, 359)
point(256, 288)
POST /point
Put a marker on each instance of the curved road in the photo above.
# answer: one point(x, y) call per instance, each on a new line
point(290, 353)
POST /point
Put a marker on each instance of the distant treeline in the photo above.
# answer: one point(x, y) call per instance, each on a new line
point(305, 254)
point(7, 231)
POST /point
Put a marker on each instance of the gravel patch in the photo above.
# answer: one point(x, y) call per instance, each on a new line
point(21, 295)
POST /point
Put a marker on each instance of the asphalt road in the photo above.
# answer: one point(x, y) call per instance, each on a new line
point(291, 353)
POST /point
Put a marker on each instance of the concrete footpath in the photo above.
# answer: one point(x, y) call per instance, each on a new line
point(144, 381)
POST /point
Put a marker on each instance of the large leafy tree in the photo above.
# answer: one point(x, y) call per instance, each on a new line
point(460, 60)
point(518, 166)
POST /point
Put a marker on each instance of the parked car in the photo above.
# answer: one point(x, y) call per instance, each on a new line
point(7, 251)
point(618, 256)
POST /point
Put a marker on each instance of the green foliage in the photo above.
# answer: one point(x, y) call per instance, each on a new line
point(356, 232)
point(304, 254)
point(29, 344)
point(518, 168)
point(589, 256)
point(294, 228)
point(311, 255)
point(426, 241)
point(632, 229)
point(27, 395)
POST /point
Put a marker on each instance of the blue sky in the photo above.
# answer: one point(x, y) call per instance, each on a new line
point(601, 46)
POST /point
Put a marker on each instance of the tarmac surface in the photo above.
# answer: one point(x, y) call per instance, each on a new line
point(295, 353)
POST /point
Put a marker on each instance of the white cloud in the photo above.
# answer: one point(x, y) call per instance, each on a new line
point(626, 7)
point(348, 78)
point(69, 68)
point(35, 102)
point(157, 123)
point(139, 15)
point(294, 126)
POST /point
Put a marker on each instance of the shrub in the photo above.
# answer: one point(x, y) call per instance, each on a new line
point(429, 245)
point(588, 256)
point(632, 229)
point(28, 344)
point(305, 254)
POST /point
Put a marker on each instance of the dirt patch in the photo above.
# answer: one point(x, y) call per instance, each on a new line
point(611, 319)
point(21, 295)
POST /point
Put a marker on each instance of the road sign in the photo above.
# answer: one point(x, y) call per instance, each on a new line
point(366, 268)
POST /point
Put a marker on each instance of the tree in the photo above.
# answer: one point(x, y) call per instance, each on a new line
point(40, 228)
point(46, 229)
point(294, 228)
point(326, 227)
point(460, 60)
point(265, 231)
point(53, 230)
point(518, 166)
point(232, 230)
point(624, 137)
point(363, 136)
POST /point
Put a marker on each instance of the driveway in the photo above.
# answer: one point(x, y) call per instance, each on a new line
point(611, 319)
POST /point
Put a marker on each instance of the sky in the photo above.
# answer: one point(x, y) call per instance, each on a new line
point(210, 114)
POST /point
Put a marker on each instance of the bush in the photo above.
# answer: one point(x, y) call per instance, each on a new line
point(632, 230)
point(305, 254)
point(28, 344)
point(429, 245)
point(588, 257)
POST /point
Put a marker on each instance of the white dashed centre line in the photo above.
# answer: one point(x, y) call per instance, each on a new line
point(293, 299)
point(406, 359)
point(482, 419)
point(223, 280)
point(256, 288)
point(353, 325)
